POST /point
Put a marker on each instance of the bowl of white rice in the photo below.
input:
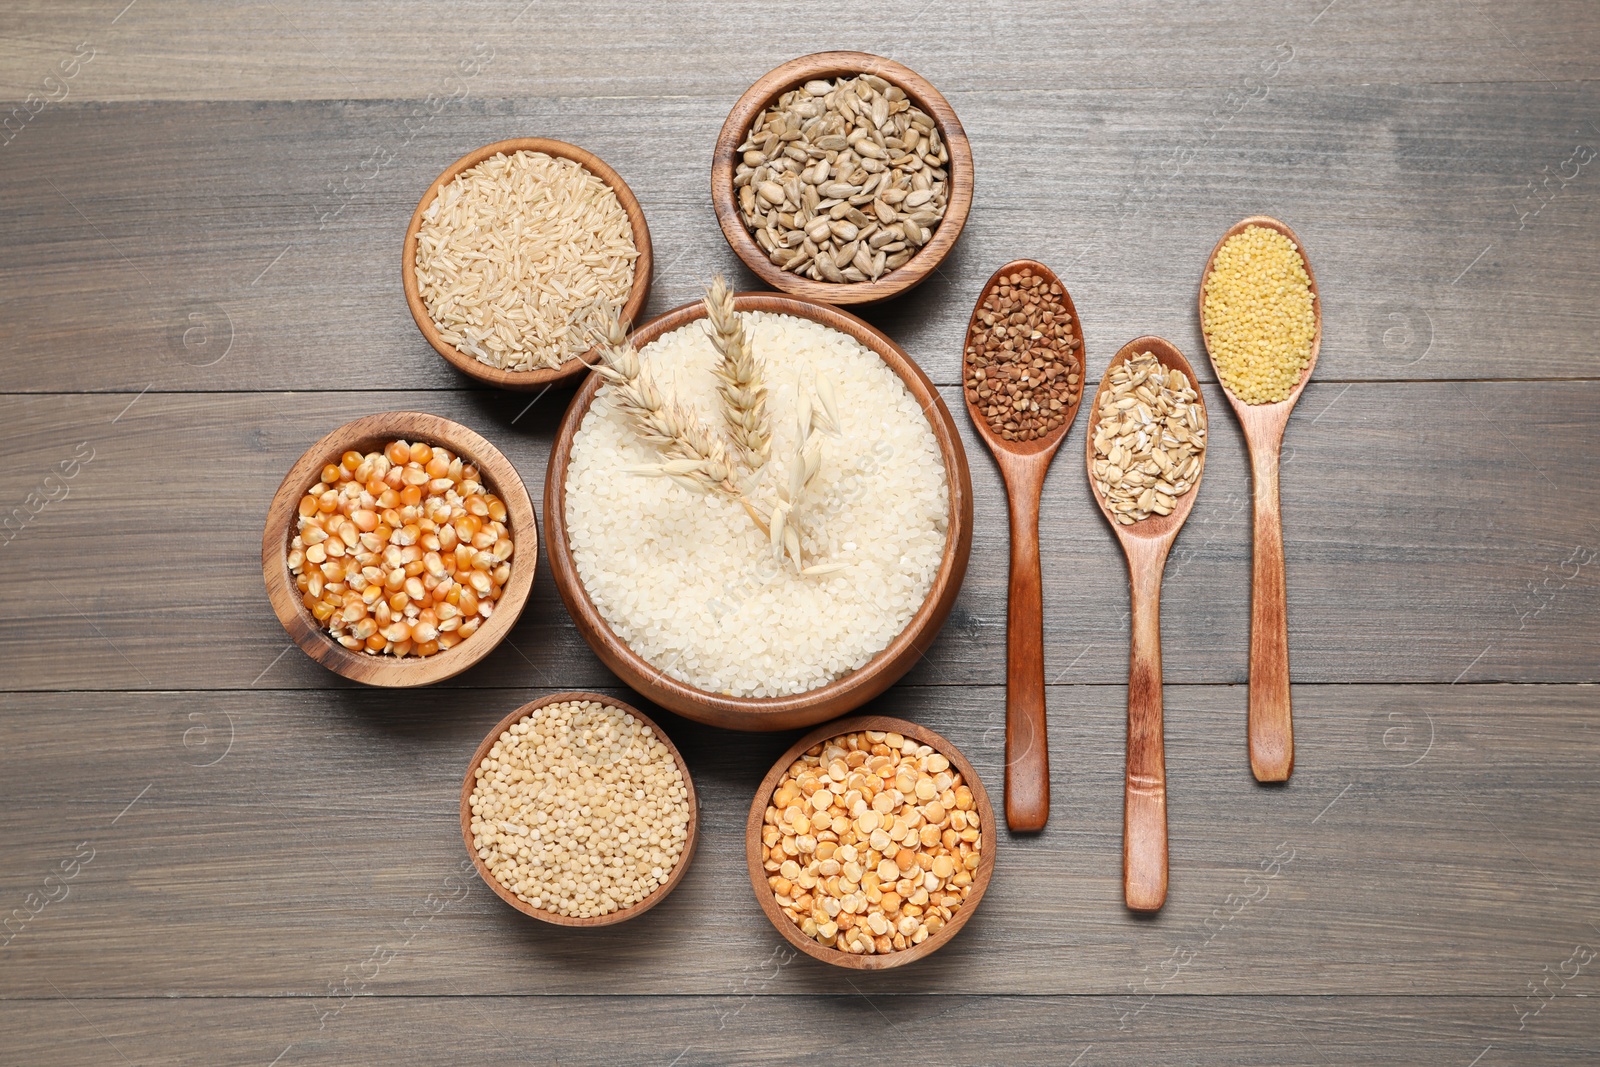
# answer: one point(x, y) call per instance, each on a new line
point(682, 594)
point(517, 254)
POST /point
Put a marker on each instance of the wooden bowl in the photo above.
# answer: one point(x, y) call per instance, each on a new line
point(843, 694)
point(368, 435)
point(758, 876)
point(469, 364)
point(623, 914)
point(764, 93)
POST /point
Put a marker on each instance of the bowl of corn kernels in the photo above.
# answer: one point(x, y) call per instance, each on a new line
point(870, 843)
point(400, 549)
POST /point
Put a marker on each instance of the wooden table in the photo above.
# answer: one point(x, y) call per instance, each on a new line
point(201, 234)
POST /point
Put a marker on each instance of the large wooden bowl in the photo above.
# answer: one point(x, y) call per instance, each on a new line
point(469, 364)
point(622, 914)
point(843, 694)
point(370, 434)
point(763, 94)
point(758, 876)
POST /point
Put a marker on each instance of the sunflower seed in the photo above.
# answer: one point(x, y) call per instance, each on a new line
point(856, 151)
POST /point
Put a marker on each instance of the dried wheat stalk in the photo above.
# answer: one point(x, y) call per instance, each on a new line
point(698, 457)
point(694, 455)
point(744, 397)
point(804, 462)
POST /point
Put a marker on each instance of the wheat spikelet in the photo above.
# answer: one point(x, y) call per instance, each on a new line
point(696, 456)
point(691, 450)
point(744, 397)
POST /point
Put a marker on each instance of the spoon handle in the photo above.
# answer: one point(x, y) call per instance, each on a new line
point(1271, 725)
point(1144, 814)
point(1027, 750)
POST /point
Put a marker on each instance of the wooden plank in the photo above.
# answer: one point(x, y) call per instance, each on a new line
point(202, 227)
point(845, 1027)
point(300, 49)
point(256, 245)
point(1402, 565)
point(1437, 839)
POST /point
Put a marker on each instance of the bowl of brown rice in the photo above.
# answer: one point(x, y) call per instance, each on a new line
point(517, 254)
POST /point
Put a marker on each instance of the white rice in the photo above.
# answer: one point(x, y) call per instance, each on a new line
point(685, 578)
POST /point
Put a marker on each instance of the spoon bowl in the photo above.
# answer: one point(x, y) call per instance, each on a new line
point(1157, 527)
point(1023, 465)
point(1265, 413)
point(1051, 441)
point(1271, 726)
point(1146, 544)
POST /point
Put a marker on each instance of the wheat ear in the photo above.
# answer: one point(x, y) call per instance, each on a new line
point(744, 397)
point(694, 455)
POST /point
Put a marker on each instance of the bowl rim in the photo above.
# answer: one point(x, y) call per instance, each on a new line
point(657, 895)
point(543, 376)
point(361, 434)
point(843, 694)
point(827, 65)
point(987, 824)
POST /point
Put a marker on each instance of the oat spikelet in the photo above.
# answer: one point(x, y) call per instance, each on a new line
point(828, 417)
point(744, 397)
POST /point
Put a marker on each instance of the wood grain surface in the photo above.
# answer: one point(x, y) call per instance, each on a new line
point(1432, 847)
point(227, 188)
point(1258, 1031)
point(215, 851)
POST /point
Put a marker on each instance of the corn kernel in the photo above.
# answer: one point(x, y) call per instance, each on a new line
point(385, 532)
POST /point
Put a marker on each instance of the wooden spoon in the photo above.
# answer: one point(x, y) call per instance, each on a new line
point(1271, 726)
point(1022, 467)
point(1146, 544)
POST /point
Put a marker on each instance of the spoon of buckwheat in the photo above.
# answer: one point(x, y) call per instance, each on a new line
point(1022, 374)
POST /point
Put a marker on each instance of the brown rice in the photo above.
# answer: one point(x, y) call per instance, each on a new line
point(522, 257)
